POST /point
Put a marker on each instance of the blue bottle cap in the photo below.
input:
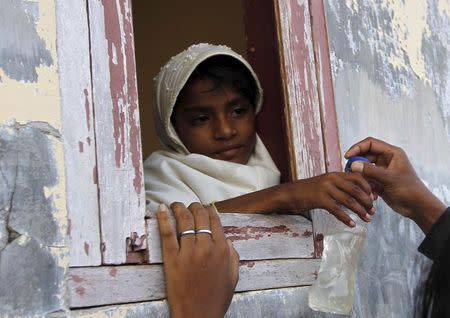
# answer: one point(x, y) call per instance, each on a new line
point(352, 160)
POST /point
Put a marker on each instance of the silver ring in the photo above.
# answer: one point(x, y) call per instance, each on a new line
point(187, 232)
point(203, 231)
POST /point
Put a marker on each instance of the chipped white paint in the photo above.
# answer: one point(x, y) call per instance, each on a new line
point(255, 237)
point(419, 130)
point(58, 192)
point(352, 5)
point(36, 105)
point(89, 286)
point(78, 133)
point(409, 26)
point(23, 240)
point(303, 104)
point(444, 7)
point(286, 302)
point(38, 101)
point(119, 159)
point(394, 86)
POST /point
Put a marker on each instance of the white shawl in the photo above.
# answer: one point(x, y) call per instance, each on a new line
point(170, 177)
point(177, 175)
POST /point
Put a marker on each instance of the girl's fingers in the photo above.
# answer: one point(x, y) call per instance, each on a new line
point(341, 215)
point(351, 203)
point(355, 192)
point(185, 222)
point(201, 221)
point(169, 240)
point(359, 181)
point(234, 262)
point(216, 226)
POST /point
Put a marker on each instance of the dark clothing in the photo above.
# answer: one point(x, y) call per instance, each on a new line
point(435, 242)
point(436, 246)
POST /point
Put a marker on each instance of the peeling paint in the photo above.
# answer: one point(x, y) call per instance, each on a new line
point(87, 109)
point(22, 50)
point(80, 290)
point(391, 78)
point(30, 91)
point(444, 7)
point(113, 272)
point(235, 233)
point(86, 248)
point(32, 220)
point(77, 279)
point(285, 302)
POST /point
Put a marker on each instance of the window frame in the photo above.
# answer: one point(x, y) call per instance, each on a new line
point(107, 89)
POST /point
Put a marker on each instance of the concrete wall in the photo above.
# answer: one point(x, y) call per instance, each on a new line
point(33, 247)
point(391, 76)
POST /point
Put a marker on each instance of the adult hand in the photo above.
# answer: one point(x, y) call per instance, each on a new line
point(201, 270)
point(397, 182)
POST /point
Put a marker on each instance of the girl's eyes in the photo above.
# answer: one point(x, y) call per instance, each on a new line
point(199, 120)
point(239, 111)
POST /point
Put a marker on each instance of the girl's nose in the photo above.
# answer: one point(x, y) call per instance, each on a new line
point(224, 129)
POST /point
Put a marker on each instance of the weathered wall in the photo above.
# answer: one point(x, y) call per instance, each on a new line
point(390, 62)
point(33, 247)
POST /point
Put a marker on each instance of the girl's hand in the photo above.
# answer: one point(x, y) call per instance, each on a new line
point(201, 270)
point(332, 192)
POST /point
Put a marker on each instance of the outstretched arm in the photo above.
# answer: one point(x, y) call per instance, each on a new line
point(331, 191)
point(398, 183)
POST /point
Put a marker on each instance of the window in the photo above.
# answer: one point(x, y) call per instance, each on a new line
point(104, 154)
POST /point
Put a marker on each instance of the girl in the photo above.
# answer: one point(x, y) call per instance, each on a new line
point(207, 98)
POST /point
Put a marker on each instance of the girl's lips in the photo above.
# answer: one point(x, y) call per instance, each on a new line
point(229, 153)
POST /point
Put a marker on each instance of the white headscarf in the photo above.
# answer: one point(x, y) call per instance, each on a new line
point(177, 175)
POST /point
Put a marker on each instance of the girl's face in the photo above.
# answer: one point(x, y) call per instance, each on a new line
point(218, 123)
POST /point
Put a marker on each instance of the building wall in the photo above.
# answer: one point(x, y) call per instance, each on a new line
point(391, 80)
point(390, 63)
point(33, 222)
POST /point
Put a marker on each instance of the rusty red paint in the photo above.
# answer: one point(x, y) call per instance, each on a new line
point(249, 264)
point(132, 95)
point(77, 279)
point(123, 86)
point(307, 233)
point(117, 77)
point(301, 85)
point(80, 290)
point(236, 233)
point(140, 257)
point(80, 146)
point(113, 272)
point(69, 226)
point(323, 65)
point(87, 109)
point(318, 245)
point(86, 248)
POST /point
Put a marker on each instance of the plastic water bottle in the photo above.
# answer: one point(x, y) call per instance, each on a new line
point(333, 290)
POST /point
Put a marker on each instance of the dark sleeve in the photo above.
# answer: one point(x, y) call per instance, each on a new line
point(435, 241)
